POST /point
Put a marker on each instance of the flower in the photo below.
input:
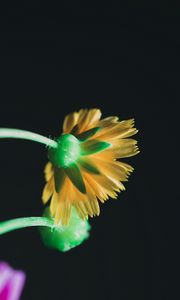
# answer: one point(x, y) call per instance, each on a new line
point(85, 168)
point(11, 282)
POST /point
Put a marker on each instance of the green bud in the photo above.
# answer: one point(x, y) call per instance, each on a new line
point(64, 238)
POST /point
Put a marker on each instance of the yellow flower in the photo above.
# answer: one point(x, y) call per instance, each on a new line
point(85, 168)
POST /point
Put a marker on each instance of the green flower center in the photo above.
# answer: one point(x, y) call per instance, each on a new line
point(67, 152)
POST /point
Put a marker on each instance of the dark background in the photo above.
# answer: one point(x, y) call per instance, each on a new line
point(124, 59)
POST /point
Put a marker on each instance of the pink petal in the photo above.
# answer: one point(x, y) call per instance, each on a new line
point(11, 282)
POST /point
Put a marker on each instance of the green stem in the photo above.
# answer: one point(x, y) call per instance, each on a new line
point(19, 223)
point(26, 135)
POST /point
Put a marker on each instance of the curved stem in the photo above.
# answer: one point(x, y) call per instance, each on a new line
point(19, 223)
point(26, 135)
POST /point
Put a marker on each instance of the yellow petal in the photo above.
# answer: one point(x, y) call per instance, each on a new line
point(120, 130)
point(63, 203)
point(88, 207)
point(125, 150)
point(88, 119)
point(78, 209)
point(48, 171)
point(66, 212)
point(81, 209)
point(108, 183)
point(92, 201)
point(92, 117)
point(95, 205)
point(108, 121)
point(100, 191)
point(53, 204)
point(70, 121)
point(125, 166)
point(48, 190)
point(59, 213)
point(111, 169)
point(81, 119)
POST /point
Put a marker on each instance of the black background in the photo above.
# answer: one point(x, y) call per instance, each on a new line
point(124, 59)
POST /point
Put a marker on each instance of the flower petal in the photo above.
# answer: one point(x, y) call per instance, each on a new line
point(112, 169)
point(88, 207)
point(48, 190)
point(63, 204)
point(120, 130)
point(81, 119)
point(48, 171)
point(11, 282)
point(63, 213)
point(53, 204)
point(88, 166)
point(108, 121)
point(95, 205)
point(88, 119)
point(81, 213)
point(109, 183)
point(125, 148)
point(70, 121)
point(101, 192)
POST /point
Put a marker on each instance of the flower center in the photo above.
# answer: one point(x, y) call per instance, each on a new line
point(67, 151)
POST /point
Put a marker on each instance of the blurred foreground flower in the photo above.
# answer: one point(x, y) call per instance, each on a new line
point(11, 282)
point(85, 166)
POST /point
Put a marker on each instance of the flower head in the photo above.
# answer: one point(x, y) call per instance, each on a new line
point(84, 168)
